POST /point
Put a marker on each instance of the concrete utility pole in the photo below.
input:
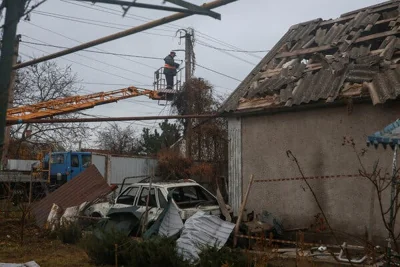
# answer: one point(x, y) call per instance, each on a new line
point(10, 100)
point(14, 11)
point(188, 76)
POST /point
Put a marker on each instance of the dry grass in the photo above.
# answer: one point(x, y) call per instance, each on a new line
point(37, 247)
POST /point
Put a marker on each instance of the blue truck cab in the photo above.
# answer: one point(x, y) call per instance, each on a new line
point(64, 166)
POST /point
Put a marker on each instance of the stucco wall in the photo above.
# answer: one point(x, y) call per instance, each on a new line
point(315, 137)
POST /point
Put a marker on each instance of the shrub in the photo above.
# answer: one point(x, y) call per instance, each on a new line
point(100, 246)
point(156, 252)
point(68, 233)
point(212, 257)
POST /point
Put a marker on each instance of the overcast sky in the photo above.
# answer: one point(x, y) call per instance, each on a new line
point(251, 25)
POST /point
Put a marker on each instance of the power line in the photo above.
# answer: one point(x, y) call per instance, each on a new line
point(223, 43)
point(174, 26)
point(128, 100)
point(116, 12)
point(90, 67)
point(90, 22)
point(217, 72)
point(227, 53)
point(92, 51)
point(105, 63)
point(79, 42)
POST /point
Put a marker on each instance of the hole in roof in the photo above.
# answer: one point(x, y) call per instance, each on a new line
point(305, 61)
point(375, 43)
point(377, 28)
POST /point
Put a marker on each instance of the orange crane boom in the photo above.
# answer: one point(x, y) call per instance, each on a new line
point(75, 103)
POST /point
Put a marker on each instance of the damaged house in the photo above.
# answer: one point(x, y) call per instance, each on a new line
point(323, 81)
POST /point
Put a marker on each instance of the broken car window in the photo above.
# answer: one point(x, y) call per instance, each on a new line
point(143, 198)
point(128, 196)
point(191, 196)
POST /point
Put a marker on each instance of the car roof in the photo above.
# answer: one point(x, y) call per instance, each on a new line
point(167, 184)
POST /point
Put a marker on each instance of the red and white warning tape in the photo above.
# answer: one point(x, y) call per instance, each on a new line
point(309, 178)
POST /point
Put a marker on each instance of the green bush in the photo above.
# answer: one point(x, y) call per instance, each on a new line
point(155, 252)
point(212, 257)
point(100, 246)
point(68, 233)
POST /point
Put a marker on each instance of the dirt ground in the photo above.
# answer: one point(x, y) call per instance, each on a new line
point(37, 247)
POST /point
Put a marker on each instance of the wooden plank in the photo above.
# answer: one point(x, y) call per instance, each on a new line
point(376, 36)
point(304, 51)
point(327, 47)
point(242, 207)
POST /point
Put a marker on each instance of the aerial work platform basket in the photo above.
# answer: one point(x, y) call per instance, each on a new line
point(160, 86)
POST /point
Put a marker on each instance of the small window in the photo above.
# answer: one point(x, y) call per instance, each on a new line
point(74, 161)
point(57, 159)
point(86, 160)
point(161, 199)
point(143, 198)
point(128, 196)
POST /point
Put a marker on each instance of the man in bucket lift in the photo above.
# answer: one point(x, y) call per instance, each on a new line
point(170, 69)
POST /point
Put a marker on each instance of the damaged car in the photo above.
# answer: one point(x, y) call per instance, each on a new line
point(188, 197)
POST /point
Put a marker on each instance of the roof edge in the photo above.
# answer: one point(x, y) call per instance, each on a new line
point(369, 7)
point(276, 110)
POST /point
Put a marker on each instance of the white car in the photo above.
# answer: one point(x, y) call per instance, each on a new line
point(187, 196)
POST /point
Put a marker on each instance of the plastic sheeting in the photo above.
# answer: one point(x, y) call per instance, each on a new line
point(168, 224)
point(202, 230)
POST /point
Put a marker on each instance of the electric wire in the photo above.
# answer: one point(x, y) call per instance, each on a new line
point(128, 100)
point(112, 11)
point(207, 68)
point(217, 72)
point(102, 62)
point(223, 43)
point(89, 22)
point(177, 27)
point(91, 51)
point(79, 42)
point(82, 64)
point(227, 53)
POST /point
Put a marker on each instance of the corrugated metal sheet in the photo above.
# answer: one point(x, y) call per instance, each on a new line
point(202, 230)
point(235, 164)
point(87, 186)
point(20, 165)
point(121, 167)
point(343, 50)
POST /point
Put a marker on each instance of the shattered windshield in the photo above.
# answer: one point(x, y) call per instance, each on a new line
point(191, 197)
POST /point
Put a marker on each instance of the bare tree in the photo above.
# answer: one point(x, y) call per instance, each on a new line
point(44, 82)
point(118, 140)
point(382, 181)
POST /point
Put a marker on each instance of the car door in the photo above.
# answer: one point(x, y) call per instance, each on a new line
point(154, 209)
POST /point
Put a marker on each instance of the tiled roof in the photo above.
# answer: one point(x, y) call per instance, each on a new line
point(356, 55)
point(87, 186)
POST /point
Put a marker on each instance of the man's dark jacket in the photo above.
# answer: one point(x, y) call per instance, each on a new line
point(173, 66)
